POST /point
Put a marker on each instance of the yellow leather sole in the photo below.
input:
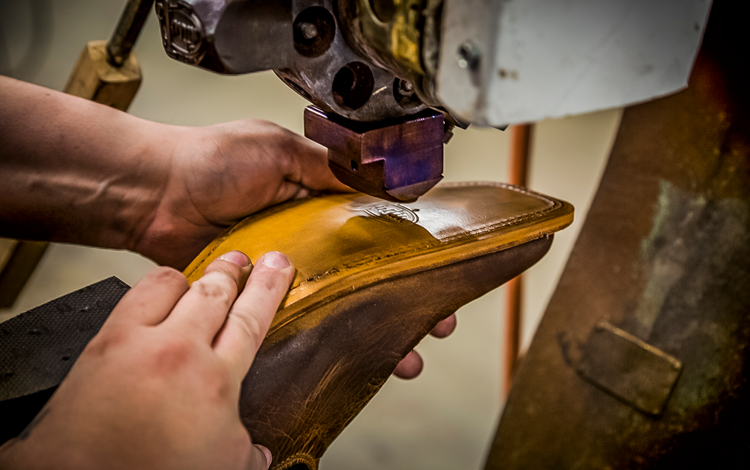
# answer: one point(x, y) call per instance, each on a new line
point(344, 241)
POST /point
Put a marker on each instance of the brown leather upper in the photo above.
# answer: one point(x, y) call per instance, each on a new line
point(373, 278)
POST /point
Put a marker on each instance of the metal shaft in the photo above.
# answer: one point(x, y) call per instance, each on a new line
point(127, 30)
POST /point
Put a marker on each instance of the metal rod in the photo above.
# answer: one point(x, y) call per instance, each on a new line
point(520, 150)
point(127, 31)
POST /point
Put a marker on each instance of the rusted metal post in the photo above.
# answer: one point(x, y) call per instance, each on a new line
point(520, 149)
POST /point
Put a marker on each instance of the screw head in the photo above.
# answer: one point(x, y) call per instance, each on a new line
point(309, 30)
point(405, 87)
point(468, 55)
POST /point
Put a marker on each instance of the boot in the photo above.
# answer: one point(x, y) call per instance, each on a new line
point(373, 278)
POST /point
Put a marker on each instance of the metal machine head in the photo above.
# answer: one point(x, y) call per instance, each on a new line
point(374, 62)
point(363, 64)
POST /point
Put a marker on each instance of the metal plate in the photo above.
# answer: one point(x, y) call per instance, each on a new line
point(629, 368)
point(540, 59)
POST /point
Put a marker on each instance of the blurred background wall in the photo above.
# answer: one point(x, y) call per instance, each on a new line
point(444, 419)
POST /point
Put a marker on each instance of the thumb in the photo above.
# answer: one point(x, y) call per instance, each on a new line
point(260, 458)
point(312, 163)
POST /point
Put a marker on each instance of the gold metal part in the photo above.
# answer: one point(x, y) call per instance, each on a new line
point(405, 36)
point(94, 79)
point(389, 32)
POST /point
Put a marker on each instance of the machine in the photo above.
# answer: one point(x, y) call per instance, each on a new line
point(391, 79)
point(641, 358)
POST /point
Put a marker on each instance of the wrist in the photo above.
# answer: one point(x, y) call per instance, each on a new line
point(152, 157)
point(170, 229)
point(75, 171)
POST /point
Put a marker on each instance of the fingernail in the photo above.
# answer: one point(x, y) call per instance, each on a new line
point(266, 452)
point(237, 257)
point(276, 260)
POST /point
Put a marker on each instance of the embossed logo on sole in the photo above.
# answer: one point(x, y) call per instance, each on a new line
point(389, 211)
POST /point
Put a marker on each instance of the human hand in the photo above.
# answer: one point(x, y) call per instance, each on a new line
point(221, 174)
point(411, 365)
point(75, 171)
point(158, 387)
point(80, 172)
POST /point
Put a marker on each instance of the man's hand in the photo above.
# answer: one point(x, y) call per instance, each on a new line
point(411, 366)
point(221, 174)
point(158, 387)
point(75, 171)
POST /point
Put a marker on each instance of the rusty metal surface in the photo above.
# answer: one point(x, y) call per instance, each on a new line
point(664, 255)
point(398, 161)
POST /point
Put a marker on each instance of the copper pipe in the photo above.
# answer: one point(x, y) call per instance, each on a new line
point(520, 150)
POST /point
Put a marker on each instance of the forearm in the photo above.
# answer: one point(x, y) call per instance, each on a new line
point(76, 171)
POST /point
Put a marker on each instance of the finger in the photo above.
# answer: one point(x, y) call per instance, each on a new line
point(288, 191)
point(409, 367)
point(203, 309)
point(151, 299)
point(444, 327)
point(251, 315)
point(311, 169)
point(260, 458)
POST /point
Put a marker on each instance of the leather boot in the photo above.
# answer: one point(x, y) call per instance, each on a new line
point(373, 278)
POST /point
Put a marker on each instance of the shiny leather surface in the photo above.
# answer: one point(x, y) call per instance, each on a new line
point(339, 236)
point(373, 278)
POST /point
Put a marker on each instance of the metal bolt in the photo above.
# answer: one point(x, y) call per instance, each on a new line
point(405, 88)
point(468, 55)
point(309, 30)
